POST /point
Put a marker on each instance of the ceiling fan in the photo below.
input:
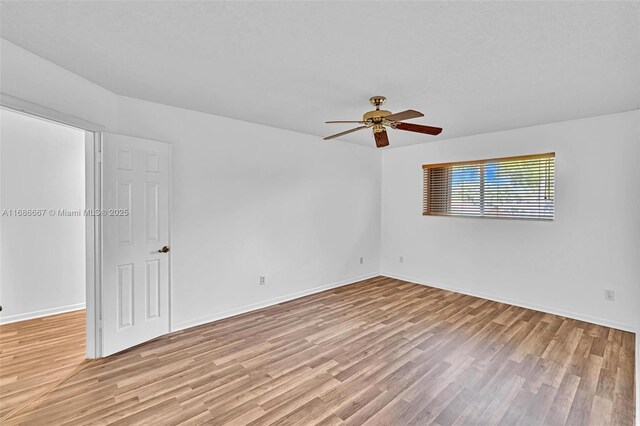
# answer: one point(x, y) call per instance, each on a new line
point(379, 118)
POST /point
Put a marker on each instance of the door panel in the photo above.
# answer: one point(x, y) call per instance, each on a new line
point(135, 285)
point(151, 211)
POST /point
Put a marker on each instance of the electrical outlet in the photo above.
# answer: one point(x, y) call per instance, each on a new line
point(609, 295)
point(263, 280)
point(401, 259)
point(361, 260)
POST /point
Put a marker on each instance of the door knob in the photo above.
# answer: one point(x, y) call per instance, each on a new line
point(164, 249)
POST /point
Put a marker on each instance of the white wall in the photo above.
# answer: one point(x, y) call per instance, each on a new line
point(562, 266)
point(250, 200)
point(43, 258)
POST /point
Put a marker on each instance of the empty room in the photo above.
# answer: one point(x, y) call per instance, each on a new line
point(319, 212)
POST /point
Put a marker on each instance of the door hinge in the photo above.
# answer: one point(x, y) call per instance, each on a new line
point(99, 156)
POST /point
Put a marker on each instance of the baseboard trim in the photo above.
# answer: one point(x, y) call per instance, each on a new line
point(270, 302)
point(482, 295)
point(41, 313)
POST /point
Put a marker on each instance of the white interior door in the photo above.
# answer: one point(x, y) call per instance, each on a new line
point(135, 283)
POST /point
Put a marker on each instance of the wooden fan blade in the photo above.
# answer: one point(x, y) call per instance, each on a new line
point(404, 115)
point(341, 121)
point(381, 138)
point(345, 132)
point(418, 128)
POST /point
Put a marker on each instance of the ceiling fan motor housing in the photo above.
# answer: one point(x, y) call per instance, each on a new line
point(375, 116)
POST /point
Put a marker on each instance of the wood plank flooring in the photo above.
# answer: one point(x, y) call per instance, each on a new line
point(378, 352)
point(35, 354)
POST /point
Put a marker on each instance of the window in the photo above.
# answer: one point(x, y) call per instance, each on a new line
point(513, 187)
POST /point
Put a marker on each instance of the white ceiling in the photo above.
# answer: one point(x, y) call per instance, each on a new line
point(471, 67)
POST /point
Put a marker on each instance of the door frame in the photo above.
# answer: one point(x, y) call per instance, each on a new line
point(93, 201)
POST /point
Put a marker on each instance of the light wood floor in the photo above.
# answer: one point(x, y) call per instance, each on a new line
point(37, 353)
point(381, 351)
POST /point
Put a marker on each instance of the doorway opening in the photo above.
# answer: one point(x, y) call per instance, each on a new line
point(135, 247)
point(43, 255)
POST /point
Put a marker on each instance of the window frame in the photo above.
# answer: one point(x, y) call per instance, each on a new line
point(481, 194)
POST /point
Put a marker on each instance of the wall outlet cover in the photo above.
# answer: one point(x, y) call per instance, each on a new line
point(610, 295)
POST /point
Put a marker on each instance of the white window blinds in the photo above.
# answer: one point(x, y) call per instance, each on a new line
point(512, 187)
